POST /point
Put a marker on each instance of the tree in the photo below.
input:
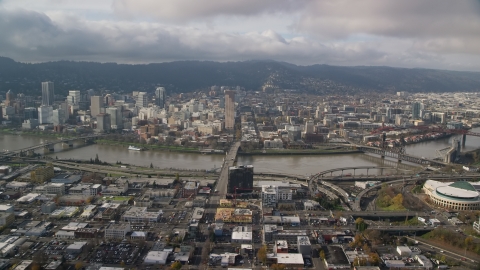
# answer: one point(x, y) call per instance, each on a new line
point(78, 265)
point(322, 254)
point(97, 160)
point(398, 200)
point(277, 266)
point(360, 224)
point(177, 177)
point(468, 241)
point(262, 254)
point(374, 259)
point(176, 265)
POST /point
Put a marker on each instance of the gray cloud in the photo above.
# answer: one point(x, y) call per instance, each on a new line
point(33, 36)
point(187, 10)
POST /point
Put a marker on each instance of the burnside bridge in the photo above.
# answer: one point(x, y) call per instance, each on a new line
point(48, 146)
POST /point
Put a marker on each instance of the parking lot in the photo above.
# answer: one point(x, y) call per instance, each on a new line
point(113, 253)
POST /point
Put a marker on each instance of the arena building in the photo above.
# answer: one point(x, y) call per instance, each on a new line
point(460, 195)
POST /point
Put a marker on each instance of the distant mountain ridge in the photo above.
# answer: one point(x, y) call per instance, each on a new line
point(186, 76)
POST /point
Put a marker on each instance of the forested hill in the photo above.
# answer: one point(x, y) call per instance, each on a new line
point(185, 76)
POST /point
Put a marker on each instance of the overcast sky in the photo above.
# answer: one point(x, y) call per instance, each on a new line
point(441, 34)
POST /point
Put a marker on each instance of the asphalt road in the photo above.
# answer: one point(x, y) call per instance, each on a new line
point(221, 188)
point(471, 262)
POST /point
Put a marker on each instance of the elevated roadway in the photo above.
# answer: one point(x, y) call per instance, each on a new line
point(222, 182)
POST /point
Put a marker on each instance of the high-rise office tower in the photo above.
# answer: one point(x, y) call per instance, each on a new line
point(116, 120)
point(45, 114)
point(103, 122)
point(240, 179)
point(9, 97)
point(160, 96)
point(90, 93)
point(309, 127)
point(229, 109)
point(96, 107)
point(109, 100)
point(58, 117)
point(30, 113)
point(142, 100)
point(73, 97)
point(416, 109)
point(48, 95)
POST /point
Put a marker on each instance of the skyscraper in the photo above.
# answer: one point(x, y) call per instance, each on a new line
point(229, 109)
point(45, 114)
point(103, 122)
point(96, 107)
point(416, 108)
point(9, 98)
point(73, 97)
point(58, 117)
point(160, 96)
point(142, 100)
point(116, 120)
point(48, 95)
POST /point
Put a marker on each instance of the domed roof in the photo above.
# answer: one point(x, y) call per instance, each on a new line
point(463, 185)
point(459, 190)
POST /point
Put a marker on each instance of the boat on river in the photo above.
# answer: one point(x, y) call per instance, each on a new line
point(134, 148)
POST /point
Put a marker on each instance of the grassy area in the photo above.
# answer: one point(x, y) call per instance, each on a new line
point(411, 222)
point(417, 189)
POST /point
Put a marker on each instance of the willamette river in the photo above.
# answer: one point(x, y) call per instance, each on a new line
point(298, 165)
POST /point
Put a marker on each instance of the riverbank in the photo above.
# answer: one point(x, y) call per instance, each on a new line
point(37, 134)
point(180, 149)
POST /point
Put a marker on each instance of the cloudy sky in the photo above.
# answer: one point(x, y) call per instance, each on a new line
point(441, 34)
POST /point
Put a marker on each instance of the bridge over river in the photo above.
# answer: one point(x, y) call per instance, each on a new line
point(48, 146)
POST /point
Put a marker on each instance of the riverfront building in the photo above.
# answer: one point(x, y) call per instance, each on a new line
point(240, 179)
point(459, 195)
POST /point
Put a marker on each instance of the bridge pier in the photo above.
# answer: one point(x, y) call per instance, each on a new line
point(48, 148)
point(68, 144)
point(399, 161)
point(464, 139)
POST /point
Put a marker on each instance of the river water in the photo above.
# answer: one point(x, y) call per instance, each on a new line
point(298, 165)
